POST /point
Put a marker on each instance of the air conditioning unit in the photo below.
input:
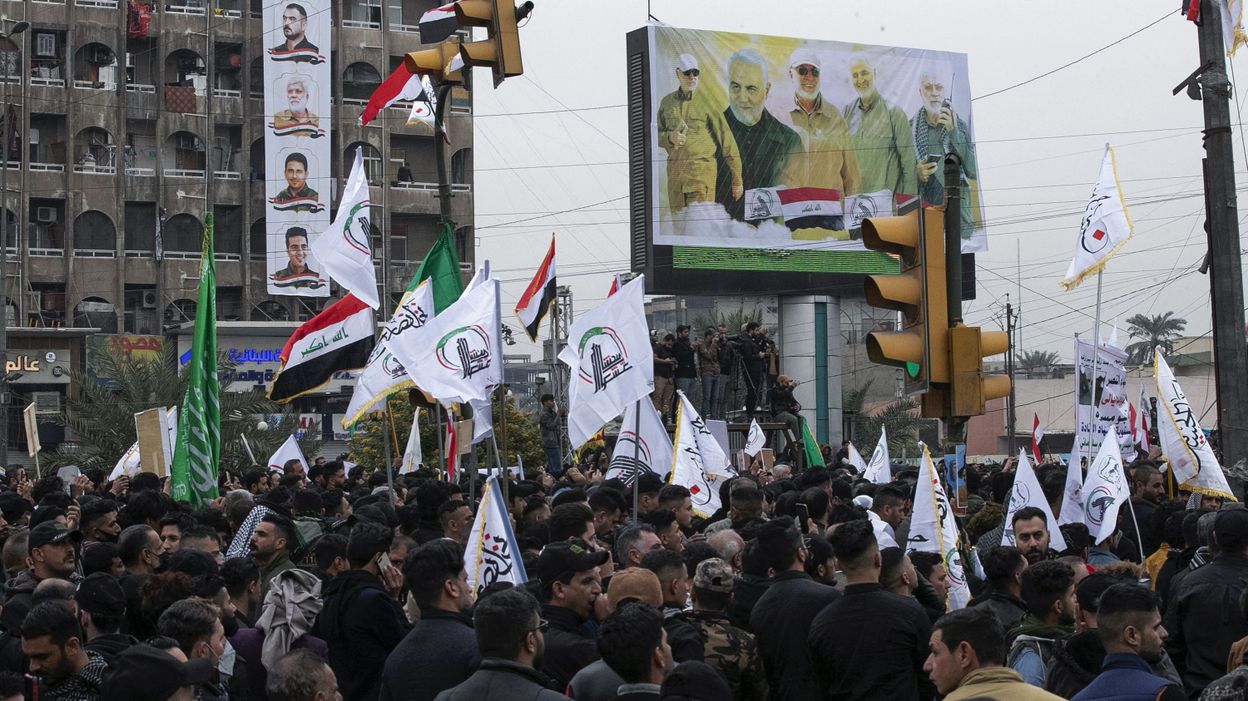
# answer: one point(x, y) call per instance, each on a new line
point(129, 60)
point(46, 402)
point(34, 301)
point(188, 142)
point(149, 299)
point(101, 56)
point(45, 215)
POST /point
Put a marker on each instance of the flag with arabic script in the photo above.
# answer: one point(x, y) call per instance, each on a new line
point(934, 529)
point(492, 554)
point(1104, 228)
point(1182, 439)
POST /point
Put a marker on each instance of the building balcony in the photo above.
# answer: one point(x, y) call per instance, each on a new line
point(94, 85)
point(93, 169)
point(46, 167)
point(183, 173)
point(94, 253)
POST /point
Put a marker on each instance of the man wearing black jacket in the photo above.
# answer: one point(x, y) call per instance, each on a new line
point(441, 651)
point(686, 361)
point(1203, 615)
point(1003, 568)
point(870, 643)
point(362, 621)
point(782, 616)
point(682, 635)
point(752, 365)
point(571, 585)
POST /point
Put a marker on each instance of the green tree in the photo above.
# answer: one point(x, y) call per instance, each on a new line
point(899, 417)
point(1037, 361)
point(101, 415)
point(1153, 331)
point(732, 320)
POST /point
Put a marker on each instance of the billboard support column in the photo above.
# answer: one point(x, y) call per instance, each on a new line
point(810, 352)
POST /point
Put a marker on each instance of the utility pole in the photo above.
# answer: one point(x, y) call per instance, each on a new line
point(1226, 277)
point(955, 426)
point(1011, 418)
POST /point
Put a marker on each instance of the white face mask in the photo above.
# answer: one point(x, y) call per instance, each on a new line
point(225, 665)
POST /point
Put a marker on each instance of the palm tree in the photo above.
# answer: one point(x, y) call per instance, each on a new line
point(1034, 361)
point(102, 415)
point(1153, 331)
point(898, 418)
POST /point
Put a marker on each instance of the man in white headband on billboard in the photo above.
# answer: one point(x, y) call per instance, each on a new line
point(695, 136)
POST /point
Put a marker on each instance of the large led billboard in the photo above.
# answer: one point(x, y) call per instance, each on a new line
point(754, 158)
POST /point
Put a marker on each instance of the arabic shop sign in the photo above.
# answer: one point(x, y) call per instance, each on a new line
point(256, 362)
point(39, 366)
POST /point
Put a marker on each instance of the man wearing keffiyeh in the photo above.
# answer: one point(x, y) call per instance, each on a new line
point(938, 131)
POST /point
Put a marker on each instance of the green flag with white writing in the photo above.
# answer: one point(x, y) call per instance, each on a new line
point(194, 473)
point(441, 267)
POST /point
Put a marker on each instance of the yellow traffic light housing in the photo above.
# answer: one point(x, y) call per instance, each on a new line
point(970, 389)
point(918, 292)
point(436, 61)
point(501, 50)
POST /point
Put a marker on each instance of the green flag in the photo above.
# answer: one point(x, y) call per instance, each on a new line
point(441, 266)
point(194, 473)
point(814, 457)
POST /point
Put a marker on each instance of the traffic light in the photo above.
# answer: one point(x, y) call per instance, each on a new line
point(501, 50)
point(969, 388)
point(918, 292)
point(437, 61)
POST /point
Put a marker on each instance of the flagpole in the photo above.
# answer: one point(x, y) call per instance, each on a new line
point(441, 437)
point(388, 419)
point(1139, 542)
point(1096, 367)
point(636, 460)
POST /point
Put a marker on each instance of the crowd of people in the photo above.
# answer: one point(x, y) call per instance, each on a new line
point(717, 372)
point(326, 583)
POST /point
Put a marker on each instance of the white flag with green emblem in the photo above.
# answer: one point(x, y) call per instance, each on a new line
point(345, 249)
point(195, 458)
point(934, 529)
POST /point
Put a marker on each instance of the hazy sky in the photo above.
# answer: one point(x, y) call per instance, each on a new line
point(555, 140)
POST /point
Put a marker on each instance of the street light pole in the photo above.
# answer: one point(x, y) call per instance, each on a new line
point(18, 27)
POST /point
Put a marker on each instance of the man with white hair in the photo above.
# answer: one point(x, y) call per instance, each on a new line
point(766, 145)
point(827, 156)
point(695, 136)
point(883, 139)
point(297, 113)
point(938, 131)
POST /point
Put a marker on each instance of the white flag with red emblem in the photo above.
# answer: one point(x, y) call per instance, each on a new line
point(1105, 226)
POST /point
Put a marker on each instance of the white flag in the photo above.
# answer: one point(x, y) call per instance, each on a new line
point(1105, 490)
point(1027, 492)
point(610, 359)
point(425, 107)
point(1142, 423)
point(645, 447)
point(288, 451)
point(129, 465)
point(754, 440)
point(1182, 439)
point(689, 465)
point(345, 249)
point(482, 419)
point(855, 460)
point(1105, 226)
point(384, 374)
point(413, 456)
point(459, 355)
point(492, 554)
point(1072, 493)
point(879, 470)
point(714, 458)
point(934, 529)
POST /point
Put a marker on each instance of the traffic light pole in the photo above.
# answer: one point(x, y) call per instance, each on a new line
point(1226, 277)
point(955, 426)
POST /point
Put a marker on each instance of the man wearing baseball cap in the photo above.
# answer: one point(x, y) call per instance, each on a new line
point(695, 136)
point(102, 606)
point(826, 159)
point(568, 573)
point(51, 553)
point(729, 649)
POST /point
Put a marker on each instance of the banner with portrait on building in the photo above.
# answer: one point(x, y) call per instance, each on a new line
point(781, 143)
point(298, 181)
point(1101, 399)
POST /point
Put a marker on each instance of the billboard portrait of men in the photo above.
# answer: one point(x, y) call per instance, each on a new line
point(883, 139)
point(296, 255)
point(696, 137)
point(938, 130)
point(296, 174)
point(826, 159)
point(765, 144)
point(297, 112)
point(296, 46)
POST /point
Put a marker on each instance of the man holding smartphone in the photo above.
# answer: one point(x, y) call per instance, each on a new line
point(938, 130)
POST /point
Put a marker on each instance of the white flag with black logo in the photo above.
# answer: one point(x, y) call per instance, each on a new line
point(755, 440)
point(1105, 490)
point(934, 529)
point(879, 470)
point(1104, 228)
point(1026, 492)
point(693, 456)
point(641, 447)
point(492, 554)
point(1183, 440)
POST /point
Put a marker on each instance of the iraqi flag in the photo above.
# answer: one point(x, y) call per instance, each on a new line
point(811, 208)
point(438, 24)
point(1037, 435)
point(535, 303)
point(339, 338)
point(401, 86)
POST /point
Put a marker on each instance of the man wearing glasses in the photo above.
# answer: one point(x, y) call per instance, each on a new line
point(826, 159)
point(695, 136)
